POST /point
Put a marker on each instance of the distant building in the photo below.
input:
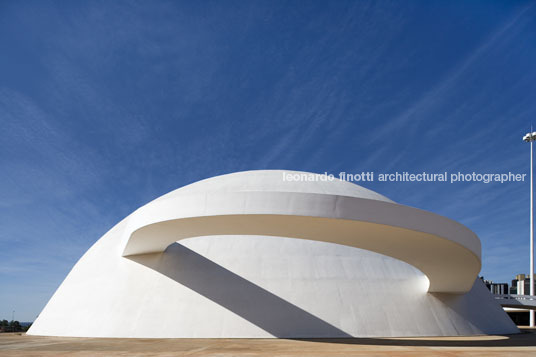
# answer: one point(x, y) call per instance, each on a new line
point(520, 285)
point(496, 288)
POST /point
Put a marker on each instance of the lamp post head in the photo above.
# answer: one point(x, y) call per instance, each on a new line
point(530, 137)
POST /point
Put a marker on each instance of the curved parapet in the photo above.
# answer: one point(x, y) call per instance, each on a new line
point(447, 252)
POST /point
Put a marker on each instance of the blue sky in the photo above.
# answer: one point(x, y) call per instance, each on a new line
point(105, 106)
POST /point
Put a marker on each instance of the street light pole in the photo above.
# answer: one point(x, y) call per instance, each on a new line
point(530, 137)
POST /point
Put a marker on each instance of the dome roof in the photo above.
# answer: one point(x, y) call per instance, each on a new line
point(303, 205)
point(277, 181)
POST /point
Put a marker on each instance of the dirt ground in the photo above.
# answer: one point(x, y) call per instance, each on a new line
point(523, 344)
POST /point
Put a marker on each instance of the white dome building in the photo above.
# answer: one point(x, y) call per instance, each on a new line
point(220, 258)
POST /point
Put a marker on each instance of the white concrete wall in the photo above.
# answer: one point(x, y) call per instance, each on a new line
point(258, 286)
point(249, 286)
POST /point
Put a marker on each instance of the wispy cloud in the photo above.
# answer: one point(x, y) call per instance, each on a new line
point(105, 106)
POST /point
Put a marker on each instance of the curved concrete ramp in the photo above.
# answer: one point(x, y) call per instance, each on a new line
point(445, 251)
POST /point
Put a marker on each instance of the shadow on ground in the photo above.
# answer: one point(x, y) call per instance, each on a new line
point(527, 337)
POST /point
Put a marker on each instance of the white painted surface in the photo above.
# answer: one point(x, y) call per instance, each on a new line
point(264, 203)
point(258, 286)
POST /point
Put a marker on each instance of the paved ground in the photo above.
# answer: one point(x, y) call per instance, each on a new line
point(513, 345)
